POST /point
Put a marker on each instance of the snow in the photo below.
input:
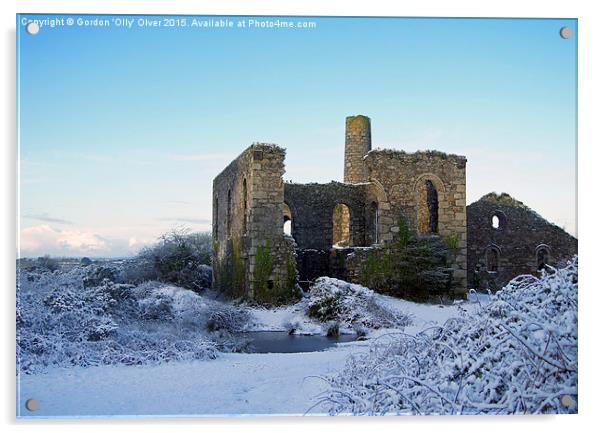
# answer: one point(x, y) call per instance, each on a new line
point(431, 346)
point(516, 354)
point(233, 384)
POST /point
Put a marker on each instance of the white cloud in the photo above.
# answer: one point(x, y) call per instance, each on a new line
point(43, 239)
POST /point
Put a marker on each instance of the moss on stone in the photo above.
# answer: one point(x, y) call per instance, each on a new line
point(262, 270)
point(267, 290)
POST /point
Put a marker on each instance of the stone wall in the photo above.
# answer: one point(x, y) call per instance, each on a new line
point(498, 254)
point(358, 142)
point(312, 209)
point(400, 185)
point(252, 257)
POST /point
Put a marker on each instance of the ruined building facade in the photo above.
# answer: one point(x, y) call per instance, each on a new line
point(506, 238)
point(331, 225)
point(269, 236)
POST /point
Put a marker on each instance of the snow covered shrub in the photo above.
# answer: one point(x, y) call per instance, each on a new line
point(331, 299)
point(180, 258)
point(332, 329)
point(291, 325)
point(517, 355)
point(360, 331)
point(228, 319)
point(63, 320)
point(96, 275)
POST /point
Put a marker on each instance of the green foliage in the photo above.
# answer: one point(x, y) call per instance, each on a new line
point(291, 273)
point(327, 308)
point(378, 268)
point(404, 232)
point(452, 242)
point(269, 291)
point(263, 269)
point(412, 267)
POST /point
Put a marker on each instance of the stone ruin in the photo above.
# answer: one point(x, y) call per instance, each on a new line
point(507, 238)
point(397, 219)
point(332, 226)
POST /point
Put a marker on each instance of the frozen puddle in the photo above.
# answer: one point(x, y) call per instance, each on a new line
point(282, 342)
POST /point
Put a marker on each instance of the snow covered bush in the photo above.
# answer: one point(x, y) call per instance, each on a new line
point(518, 355)
point(228, 319)
point(180, 258)
point(80, 317)
point(351, 304)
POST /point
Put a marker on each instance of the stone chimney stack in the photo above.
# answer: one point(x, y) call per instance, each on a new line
point(358, 142)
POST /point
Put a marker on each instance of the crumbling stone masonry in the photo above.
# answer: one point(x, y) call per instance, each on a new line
point(398, 224)
point(251, 255)
point(506, 239)
point(333, 224)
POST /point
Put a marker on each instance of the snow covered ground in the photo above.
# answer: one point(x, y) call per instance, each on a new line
point(232, 384)
point(154, 349)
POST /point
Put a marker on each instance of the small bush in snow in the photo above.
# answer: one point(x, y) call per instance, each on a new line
point(332, 329)
point(517, 355)
point(360, 331)
point(180, 258)
point(350, 304)
point(227, 319)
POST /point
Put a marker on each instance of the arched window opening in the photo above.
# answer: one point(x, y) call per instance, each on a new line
point(216, 218)
point(498, 220)
point(229, 214)
point(287, 219)
point(244, 206)
point(340, 226)
point(432, 202)
point(374, 221)
point(288, 229)
point(495, 222)
point(493, 259)
point(429, 191)
point(542, 254)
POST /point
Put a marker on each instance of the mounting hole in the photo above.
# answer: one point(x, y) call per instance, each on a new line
point(566, 400)
point(31, 405)
point(32, 28)
point(565, 32)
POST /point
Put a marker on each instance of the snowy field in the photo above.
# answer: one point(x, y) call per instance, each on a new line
point(232, 384)
point(116, 376)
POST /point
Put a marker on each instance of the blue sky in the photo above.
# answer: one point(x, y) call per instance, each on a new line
point(121, 131)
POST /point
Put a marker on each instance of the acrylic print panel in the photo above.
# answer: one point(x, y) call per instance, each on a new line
point(296, 215)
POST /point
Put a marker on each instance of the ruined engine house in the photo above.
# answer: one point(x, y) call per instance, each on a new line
point(269, 235)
